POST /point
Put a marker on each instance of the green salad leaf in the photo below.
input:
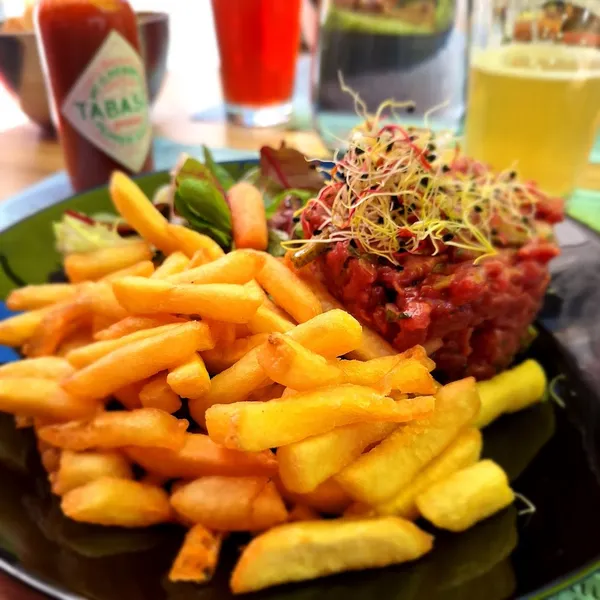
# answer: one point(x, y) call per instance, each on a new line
point(274, 247)
point(204, 208)
point(272, 203)
point(74, 235)
point(219, 172)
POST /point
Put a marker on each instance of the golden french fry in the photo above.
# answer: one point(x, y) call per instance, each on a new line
point(371, 372)
point(197, 558)
point(255, 426)
point(409, 377)
point(230, 503)
point(466, 497)
point(31, 297)
point(129, 395)
point(42, 398)
point(510, 391)
point(200, 257)
point(199, 457)
point(57, 324)
point(303, 512)
point(290, 364)
point(117, 502)
point(328, 498)
point(45, 367)
point(50, 458)
point(220, 358)
point(330, 334)
point(94, 265)
point(220, 301)
point(272, 391)
point(223, 333)
point(372, 344)
point(189, 242)
point(103, 303)
point(153, 479)
point(77, 339)
point(462, 452)
point(174, 263)
point(137, 210)
point(312, 549)
point(135, 323)
point(266, 320)
point(78, 468)
point(239, 266)
point(146, 427)
point(23, 422)
point(304, 465)
point(82, 357)
point(15, 331)
point(144, 268)
point(157, 393)
point(190, 379)
point(288, 290)
point(384, 471)
point(137, 360)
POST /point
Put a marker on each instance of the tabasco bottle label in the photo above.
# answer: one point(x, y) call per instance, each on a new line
point(108, 104)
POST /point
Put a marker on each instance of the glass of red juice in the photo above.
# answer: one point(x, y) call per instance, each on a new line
point(258, 43)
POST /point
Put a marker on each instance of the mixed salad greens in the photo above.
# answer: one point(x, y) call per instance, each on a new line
point(197, 197)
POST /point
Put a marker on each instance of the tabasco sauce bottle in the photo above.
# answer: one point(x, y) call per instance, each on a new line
point(96, 83)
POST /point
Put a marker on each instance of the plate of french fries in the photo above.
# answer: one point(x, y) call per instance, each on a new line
point(179, 420)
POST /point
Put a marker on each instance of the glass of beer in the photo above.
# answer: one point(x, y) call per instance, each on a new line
point(534, 90)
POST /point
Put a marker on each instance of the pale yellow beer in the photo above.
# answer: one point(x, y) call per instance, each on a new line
point(534, 108)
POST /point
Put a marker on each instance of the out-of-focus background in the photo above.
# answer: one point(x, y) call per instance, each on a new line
point(192, 62)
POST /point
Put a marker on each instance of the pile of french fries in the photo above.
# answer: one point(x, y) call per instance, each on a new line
point(280, 430)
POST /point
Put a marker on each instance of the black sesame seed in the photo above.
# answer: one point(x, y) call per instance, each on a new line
point(512, 174)
point(425, 181)
point(478, 209)
point(364, 176)
point(390, 147)
point(410, 109)
point(431, 147)
point(445, 168)
point(317, 232)
point(412, 138)
point(413, 206)
point(447, 237)
point(380, 221)
point(358, 151)
point(296, 219)
point(431, 157)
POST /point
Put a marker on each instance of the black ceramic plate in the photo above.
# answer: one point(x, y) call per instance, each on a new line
point(550, 453)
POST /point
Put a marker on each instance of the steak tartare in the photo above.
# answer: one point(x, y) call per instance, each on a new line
point(440, 253)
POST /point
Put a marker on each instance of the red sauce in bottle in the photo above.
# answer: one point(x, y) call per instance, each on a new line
point(90, 53)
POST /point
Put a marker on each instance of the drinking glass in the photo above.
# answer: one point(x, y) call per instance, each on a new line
point(534, 91)
point(258, 44)
point(405, 50)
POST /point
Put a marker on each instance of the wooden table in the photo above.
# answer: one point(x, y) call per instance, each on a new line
point(26, 156)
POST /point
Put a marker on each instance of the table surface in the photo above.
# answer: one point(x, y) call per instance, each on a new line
point(26, 157)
